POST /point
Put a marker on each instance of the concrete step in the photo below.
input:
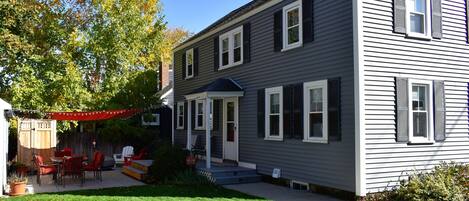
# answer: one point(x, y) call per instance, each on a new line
point(238, 179)
point(134, 173)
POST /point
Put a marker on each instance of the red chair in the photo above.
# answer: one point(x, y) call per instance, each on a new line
point(73, 167)
point(67, 151)
point(43, 169)
point(140, 156)
point(95, 165)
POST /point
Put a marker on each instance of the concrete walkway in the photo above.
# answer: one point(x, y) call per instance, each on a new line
point(111, 179)
point(278, 193)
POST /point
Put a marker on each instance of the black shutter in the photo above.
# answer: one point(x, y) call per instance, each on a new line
point(467, 20)
point(196, 61)
point(402, 107)
point(436, 19)
point(185, 115)
point(308, 17)
point(334, 102)
point(298, 111)
point(278, 26)
point(183, 73)
point(287, 111)
point(175, 117)
point(440, 114)
point(261, 113)
point(193, 114)
point(216, 56)
point(399, 16)
point(247, 42)
point(216, 114)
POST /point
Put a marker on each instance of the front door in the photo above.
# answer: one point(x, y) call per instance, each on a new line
point(230, 129)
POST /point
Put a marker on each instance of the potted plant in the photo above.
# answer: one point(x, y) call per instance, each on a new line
point(191, 159)
point(17, 184)
point(19, 168)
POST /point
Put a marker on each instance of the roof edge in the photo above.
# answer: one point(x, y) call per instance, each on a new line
point(218, 25)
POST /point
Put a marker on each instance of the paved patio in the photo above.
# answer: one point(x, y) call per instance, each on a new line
point(278, 193)
point(111, 179)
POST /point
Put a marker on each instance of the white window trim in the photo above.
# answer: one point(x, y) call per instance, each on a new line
point(268, 92)
point(307, 86)
point(427, 23)
point(197, 114)
point(177, 118)
point(151, 123)
point(203, 112)
point(429, 138)
point(286, 9)
point(190, 51)
point(230, 36)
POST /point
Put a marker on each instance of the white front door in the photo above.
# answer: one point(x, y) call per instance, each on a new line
point(230, 129)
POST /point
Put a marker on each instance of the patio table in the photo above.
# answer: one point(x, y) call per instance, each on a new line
point(58, 162)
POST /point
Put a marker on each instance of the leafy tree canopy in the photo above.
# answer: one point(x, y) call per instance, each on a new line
point(78, 55)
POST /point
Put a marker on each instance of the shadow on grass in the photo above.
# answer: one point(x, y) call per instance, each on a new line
point(154, 191)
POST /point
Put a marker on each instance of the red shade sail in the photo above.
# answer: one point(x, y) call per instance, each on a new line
point(93, 116)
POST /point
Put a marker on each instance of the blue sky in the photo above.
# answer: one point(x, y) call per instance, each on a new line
point(195, 15)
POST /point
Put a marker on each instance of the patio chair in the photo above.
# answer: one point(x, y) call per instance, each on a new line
point(43, 169)
point(67, 151)
point(95, 165)
point(73, 167)
point(127, 151)
point(140, 156)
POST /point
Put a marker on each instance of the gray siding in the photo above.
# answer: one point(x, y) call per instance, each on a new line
point(387, 55)
point(329, 56)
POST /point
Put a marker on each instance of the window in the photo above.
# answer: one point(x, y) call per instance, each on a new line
point(315, 111)
point(418, 18)
point(292, 26)
point(274, 113)
point(180, 115)
point(190, 63)
point(200, 114)
point(231, 48)
point(149, 119)
point(421, 111)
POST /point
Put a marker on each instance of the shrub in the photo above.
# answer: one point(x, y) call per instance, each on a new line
point(446, 182)
point(168, 162)
point(188, 177)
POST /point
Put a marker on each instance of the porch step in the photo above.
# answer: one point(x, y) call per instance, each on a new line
point(137, 169)
point(223, 175)
point(233, 173)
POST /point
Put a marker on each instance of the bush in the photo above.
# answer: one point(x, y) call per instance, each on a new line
point(188, 177)
point(446, 182)
point(168, 162)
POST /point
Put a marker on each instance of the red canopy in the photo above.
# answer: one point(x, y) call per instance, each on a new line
point(94, 116)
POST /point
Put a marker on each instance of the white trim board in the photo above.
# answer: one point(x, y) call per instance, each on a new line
point(228, 24)
point(359, 94)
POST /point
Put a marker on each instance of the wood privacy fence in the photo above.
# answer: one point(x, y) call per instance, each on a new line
point(36, 137)
point(81, 143)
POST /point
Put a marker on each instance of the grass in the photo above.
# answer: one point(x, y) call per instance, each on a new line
point(144, 193)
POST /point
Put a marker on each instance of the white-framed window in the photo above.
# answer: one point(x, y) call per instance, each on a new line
point(200, 114)
point(315, 111)
point(418, 18)
point(151, 119)
point(189, 63)
point(180, 115)
point(274, 113)
point(420, 111)
point(231, 48)
point(292, 26)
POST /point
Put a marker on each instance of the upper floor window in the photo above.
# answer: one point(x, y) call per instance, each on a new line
point(315, 111)
point(231, 48)
point(274, 113)
point(418, 18)
point(180, 115)
point(189, 63)
point(421, 111)
point(292, 26)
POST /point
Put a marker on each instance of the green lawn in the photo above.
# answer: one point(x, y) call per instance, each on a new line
point(143, 193)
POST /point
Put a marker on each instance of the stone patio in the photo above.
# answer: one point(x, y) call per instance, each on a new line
point(113, 178)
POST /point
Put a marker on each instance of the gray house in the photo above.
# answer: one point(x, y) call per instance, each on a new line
point(350, 95)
